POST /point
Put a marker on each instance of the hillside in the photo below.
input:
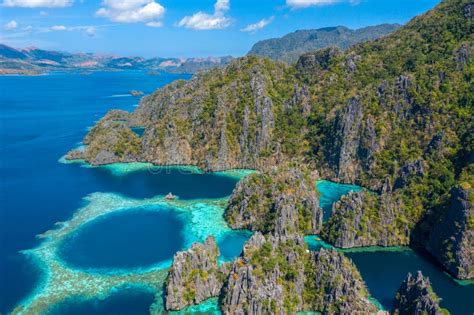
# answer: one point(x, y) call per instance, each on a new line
point(394, 115)
point(291, 46)
point(34, 60)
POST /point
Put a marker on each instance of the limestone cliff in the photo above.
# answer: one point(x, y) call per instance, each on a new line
point(267, 279)
point(335, 286)
point(281, 201)
point(452, 238)
point(416, 296)
point(194, 276)
point(366, 219)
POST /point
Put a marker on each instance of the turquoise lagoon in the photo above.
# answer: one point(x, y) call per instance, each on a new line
point(41, 119)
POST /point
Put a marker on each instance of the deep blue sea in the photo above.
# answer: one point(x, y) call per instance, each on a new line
point(42, 117)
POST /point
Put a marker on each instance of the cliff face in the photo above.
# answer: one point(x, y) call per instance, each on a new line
point(416, 296)
point(334, 285)
point(267, 279)
point(366, 219)
point(452, 238)
point(280, 201)
point(194, 276)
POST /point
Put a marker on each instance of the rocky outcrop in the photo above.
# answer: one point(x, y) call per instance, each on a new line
point(75, 155)
point(335, 286)
point(452, 237)
point(194, 276)
point(366, 219)
point(416, 297)
point(312, 63)
point(411, 170)
point(112, 140)
point(281, 202)
point(349, 124)
point(267, 279)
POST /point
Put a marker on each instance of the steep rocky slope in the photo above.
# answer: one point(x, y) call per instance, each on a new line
point(334, 285)
point(452, 238)
point(194, 276)
point(366, 219)
point(416, 296)
point(265, 202)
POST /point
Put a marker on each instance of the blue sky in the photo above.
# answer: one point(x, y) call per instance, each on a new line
point(184, 28)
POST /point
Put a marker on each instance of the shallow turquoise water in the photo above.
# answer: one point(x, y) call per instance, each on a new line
point(231, 245)
point(331, 192)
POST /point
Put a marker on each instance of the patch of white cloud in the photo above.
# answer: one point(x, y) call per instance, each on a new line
point(10, 26)
point(311, 3)
point(132, 11)
point(204, 21)
point(37, 3)
point(252, 28)
point(58, 28)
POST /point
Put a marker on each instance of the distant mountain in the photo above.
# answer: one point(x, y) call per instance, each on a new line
point(291, 46)
point(34, 60)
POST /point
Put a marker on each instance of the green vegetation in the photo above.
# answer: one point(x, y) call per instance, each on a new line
point(291, 46)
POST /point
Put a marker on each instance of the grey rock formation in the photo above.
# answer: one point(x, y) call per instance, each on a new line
point(194, 276)
point(366, 219)
point(267, 279)
point(410, 170)
point(335, 286)
point(311, 64)
point(349, 125)
point(416, 297)
point(281, 202)
point(452, 238)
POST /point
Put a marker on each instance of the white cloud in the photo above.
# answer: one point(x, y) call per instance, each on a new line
point(154, 24)
point(132, 11)
point(43, 13)
point(91, 31)
point(205, 21)
point(252, 28)
point(11, 25)
point(37, 3)
point(311, 3)
point(58, 28)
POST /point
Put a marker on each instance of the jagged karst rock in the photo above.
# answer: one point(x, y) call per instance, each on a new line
point(349, 124)
point(416, 297)
point(312, 63)
point(282, 202)
point(415, 168)
point(366, 219)
point(75, 155)
point(452, 239)
point(436, 145)
point(112, 140)
point(267, 279)
point(335, 286)
point(194, 276)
